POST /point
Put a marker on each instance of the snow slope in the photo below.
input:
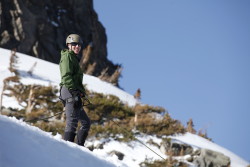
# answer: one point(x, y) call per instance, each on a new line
point(27, 146)
point(17, 135)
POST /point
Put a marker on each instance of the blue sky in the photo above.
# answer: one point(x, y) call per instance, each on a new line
point(190, 57)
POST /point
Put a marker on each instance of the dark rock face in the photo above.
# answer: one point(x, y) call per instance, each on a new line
point(40, 27)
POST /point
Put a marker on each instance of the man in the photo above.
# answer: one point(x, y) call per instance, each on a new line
point(72, 90)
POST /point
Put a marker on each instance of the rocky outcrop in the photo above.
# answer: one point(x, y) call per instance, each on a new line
point(175, 148)
point(40, 27)
point(199, 157)
point(119, 155)
point(209, 158)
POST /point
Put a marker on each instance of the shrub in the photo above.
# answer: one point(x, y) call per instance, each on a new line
point(190, 126)
point(111, 129)
point(163, 163)
point(53, 127)
point(165, 126)
point(13, 112)
point(148, 109)
point(105, 108)
point(204, 134)
point(39, 101)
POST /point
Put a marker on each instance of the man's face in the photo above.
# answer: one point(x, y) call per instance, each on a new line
point(75, 47)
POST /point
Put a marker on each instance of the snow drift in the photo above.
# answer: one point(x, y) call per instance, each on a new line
point(25, 145)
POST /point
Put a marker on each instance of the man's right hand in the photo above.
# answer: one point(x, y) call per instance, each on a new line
point(76, 92)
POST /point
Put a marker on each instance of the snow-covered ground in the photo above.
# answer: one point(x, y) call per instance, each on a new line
point(24, 145)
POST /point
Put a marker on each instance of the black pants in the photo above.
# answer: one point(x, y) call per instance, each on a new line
point(73, 115)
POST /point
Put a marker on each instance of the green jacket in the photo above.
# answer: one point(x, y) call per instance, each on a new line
point(71, 73)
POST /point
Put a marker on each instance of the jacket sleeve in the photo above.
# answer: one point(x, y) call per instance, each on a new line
point(83, 89)
point(66, 68)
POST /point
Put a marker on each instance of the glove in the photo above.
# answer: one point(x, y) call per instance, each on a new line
point(82, 94)
point(76, 92)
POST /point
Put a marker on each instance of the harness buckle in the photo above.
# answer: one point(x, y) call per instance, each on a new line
point(72, 99)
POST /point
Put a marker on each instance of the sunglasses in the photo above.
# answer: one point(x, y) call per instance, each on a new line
point(75, 43)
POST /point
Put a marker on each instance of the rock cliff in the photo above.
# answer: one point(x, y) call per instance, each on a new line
point(40, 27)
